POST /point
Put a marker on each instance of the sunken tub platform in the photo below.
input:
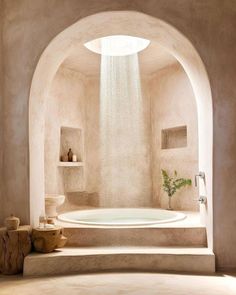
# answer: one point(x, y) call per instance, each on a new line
point(174, 246)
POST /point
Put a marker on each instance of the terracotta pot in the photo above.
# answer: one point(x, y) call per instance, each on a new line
point(48, 239)
point(61, 243)
point(12, 222)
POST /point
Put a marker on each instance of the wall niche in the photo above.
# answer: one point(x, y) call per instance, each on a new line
point(173, 138)
point(72, 138)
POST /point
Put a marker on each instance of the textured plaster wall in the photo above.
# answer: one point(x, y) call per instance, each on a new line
point(1, 115)
point(92, 148)
point(173, 104)
point(65, 108)
point(210, 25)
point(92, 135)
point(124, 192)
point(74, 101)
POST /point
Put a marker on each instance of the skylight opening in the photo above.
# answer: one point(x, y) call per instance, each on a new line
point(117, 45)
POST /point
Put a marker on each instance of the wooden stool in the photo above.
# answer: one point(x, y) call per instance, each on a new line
point(14, 246)
point(46, 240)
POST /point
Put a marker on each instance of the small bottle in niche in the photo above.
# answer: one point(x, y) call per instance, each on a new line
point(70, 155)
point(74, 158)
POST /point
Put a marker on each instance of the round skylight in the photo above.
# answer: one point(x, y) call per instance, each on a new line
point(117, 45)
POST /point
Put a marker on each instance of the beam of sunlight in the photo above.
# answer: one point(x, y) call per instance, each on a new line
point(122, 131)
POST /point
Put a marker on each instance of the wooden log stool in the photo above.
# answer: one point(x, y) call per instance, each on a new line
point(14, 246)
point(46, 240)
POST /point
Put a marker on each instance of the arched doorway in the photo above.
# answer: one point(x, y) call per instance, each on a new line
point(95, 26)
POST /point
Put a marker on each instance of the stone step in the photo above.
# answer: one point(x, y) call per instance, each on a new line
point(142, 236)
point(94, 259)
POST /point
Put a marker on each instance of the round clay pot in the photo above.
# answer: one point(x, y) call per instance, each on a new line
point(46, 240)
point(12, 222)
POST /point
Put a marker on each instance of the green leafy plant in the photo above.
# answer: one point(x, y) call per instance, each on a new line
point(172, 184)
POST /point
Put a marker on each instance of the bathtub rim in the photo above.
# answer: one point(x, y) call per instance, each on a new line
point(180, 216)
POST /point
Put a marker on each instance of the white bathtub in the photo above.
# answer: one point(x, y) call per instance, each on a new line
point(121, 216)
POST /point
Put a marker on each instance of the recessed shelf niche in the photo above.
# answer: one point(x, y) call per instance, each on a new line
point(173, 138)
point(73, 178)
point(70, 164)
point(71, 138)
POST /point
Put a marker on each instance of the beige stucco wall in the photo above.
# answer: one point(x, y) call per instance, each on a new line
point(173, 105)
point(135, 196)
point(210, 26)
point(65, 108)
point(92, 136)
point(1, 117)
point(74, 101)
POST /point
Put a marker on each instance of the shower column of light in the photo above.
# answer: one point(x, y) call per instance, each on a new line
point(123, 141)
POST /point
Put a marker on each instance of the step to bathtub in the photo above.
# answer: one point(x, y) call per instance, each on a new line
point(95, 259)
point(143, 236)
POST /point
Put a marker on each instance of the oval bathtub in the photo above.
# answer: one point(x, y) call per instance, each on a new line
point(121, 216)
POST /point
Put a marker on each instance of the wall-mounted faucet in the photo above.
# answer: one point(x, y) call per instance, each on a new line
point(201, 199)
point(200, 175)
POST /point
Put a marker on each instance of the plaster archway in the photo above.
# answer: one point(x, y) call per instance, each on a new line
point(95, 26)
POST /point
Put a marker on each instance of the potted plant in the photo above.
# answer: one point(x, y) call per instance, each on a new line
point(172, 184)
